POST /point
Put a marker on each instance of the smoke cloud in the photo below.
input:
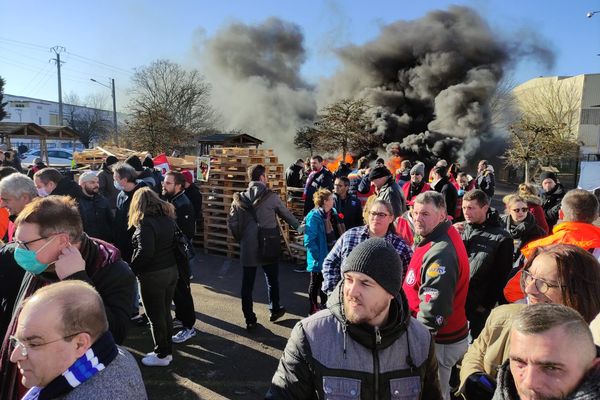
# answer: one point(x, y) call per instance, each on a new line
point(428, 82)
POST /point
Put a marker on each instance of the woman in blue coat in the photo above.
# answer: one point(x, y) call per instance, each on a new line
point(323, 227)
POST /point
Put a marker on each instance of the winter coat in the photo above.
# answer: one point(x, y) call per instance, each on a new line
point(315, 237)
point(411, 191)
point(490, 250)
point(437, 283)
point(153, 245)
point(390, 191)
point(122, 232)
point(195, 197)
point(551, 204)
point(449, 192)
point(107, 186)
point(294, 175)
point(147, 176)
point(588, 389)
point(186, 219)
point(522, 233)
point(351, 210)
point(96, 216)
point(321, 179)
point(486, 181)
point(491, 348)
point(327, 357)
point(268, 205)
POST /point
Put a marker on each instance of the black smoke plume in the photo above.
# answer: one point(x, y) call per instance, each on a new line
point(428, 81)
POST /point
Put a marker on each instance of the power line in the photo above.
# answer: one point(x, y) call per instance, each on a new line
point(101, 63)
point(45, 48)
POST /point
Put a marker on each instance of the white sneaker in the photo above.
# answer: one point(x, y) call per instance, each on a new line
point(155, 361)
point(153, 354)
point(183, 335)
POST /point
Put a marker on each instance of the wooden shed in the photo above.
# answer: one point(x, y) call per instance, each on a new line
point(227, 140)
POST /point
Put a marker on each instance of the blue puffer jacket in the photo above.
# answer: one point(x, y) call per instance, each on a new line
point(315, 240)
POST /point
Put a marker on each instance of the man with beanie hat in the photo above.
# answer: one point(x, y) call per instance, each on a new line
point(143, 174)
point(106, 182)
point(94, 208)
point(552, 194)
point(416, 185)
point(365, 344)
point(387, 189)
point(437, 283)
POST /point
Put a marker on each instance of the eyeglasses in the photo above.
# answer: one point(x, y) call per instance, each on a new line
point(24, 244)
point(540, 284)
point(14, 343)
point(378, 214)
point(524, 209)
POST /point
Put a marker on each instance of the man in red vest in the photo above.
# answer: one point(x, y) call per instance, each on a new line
point(437, 282)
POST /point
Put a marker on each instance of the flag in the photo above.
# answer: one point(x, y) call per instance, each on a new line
point(161, 163)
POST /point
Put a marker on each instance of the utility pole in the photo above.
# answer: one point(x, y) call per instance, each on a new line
point(57, 50)
point(112, 84)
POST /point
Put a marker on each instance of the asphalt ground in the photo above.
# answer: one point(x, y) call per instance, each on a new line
point(224, 361)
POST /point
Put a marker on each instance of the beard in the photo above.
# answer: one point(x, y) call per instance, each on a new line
point(364, 313)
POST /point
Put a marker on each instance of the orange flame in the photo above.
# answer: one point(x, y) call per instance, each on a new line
point(394, 163)
point(334, 164)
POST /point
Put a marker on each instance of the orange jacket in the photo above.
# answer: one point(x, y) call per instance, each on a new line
point(586, 236)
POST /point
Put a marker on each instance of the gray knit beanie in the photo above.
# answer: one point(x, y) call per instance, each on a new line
point(379, 260)
point(418, 169)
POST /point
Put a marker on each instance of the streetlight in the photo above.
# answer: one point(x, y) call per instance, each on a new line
point(114, 99)
point(590, 14)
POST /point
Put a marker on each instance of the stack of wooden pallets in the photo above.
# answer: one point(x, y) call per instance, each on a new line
point(228, 175)
point(296, 240)
point(97, 155)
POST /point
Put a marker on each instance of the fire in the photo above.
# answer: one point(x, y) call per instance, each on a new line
point(334, 164)
point(393, 163)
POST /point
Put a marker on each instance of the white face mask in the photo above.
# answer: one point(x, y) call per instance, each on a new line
point(42, 192)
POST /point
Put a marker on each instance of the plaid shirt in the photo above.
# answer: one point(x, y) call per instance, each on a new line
point(350, 239)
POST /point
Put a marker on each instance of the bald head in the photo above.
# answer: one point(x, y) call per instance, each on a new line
point(79, 306)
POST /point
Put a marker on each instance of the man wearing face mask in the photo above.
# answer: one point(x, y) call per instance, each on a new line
point(49, 181)
point(51, 246)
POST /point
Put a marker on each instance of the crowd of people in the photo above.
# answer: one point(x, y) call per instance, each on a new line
point(417, 286)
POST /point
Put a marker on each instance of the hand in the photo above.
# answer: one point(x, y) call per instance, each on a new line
point(300, 228)
point(460, 227)
point(69, 262)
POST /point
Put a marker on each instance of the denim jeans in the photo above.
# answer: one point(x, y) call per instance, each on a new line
point(272, 279)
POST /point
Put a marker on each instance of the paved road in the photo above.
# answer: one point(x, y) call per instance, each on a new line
point(224, 361)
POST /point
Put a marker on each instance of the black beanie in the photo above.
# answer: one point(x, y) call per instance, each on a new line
point(379, 172)
point(135, 162)
point(148, 162)
point(110, 160)
point(548, 175)
point(379, 260)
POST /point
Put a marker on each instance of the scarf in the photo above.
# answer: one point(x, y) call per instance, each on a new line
point(101, 354)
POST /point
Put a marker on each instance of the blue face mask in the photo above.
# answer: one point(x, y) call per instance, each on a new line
point(28, 261)
point(117, 185)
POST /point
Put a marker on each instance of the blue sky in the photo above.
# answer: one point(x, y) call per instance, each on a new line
point(108, 39)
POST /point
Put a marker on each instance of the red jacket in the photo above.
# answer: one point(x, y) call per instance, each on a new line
point(411, 199)
point(437, 282)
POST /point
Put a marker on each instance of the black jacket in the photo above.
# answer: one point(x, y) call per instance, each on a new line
point(153, 245)
point(351, 209)
point(195, 197)
point(293, 176)
point(522, 233)
point(122, 233)
point(390, 191)
point(450, 193)
point(96, 216)
point(551, 204)
point(328, 357)
point(490, 250)
point(67, 187)
point(186, 219)
point(322, 179)
point(11, 276)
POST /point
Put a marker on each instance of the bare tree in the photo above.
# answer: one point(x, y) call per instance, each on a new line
point(169, 102)
point(343, 126)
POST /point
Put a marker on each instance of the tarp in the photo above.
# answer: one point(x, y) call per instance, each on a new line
point(589, 179)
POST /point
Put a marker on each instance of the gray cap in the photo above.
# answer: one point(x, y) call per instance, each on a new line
point(379, 260)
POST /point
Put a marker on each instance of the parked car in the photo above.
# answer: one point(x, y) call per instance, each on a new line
point(55, 157)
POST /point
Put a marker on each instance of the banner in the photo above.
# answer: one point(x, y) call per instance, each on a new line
point(203, 168)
